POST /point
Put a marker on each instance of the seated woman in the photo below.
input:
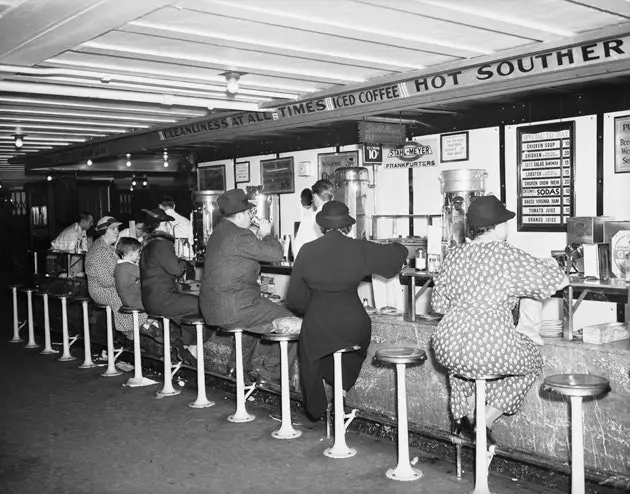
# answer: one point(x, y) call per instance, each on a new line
point(100, 266)
point(323, 286)
point(159, 270)
point(478, 286)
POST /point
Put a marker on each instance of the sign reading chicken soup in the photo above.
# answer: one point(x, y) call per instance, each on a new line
point(545, 177)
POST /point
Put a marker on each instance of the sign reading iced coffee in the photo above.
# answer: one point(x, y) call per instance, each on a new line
point(545, 176)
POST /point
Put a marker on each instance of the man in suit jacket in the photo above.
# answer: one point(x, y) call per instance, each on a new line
point(230, 295)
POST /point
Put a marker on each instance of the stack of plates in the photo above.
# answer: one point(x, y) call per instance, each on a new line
point(551, 329)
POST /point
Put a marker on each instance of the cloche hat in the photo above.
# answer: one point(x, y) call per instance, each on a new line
point(234, 201)
point(158, 214)
point(107, 222)
point(487, 211)
point(334, 214)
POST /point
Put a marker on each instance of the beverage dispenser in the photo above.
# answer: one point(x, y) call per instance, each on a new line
point(352, 189)
point(205, 216)
point(267, 207)
point(459, 188)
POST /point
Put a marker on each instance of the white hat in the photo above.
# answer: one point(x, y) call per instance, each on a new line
point(107, 222)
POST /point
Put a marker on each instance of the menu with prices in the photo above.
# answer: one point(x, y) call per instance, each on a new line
point(545, 177)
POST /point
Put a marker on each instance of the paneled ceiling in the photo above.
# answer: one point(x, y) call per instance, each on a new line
point(75, 70)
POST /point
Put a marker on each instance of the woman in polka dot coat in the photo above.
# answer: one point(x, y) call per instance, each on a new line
point(479, 284)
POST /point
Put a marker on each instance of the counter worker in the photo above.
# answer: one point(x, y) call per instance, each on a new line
point(139, 230)
point(159, 271)
point(75, 235)
point(478, 286)
point(179, 226)
point(323, 192)
point(230, 294)
point(323, 287)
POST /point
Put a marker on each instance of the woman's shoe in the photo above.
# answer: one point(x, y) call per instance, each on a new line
point(490, 440)
point(464, 428)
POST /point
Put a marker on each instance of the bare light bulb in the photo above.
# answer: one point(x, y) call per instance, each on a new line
point(89, 162)
point(131, 188)
point(232, 85)
point(49, 178)
point(133, 182)
point(145, 183)
point(165, 164)
point(128, 163)
point(18, 141)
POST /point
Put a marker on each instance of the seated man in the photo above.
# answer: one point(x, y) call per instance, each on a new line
point(230, 295)
point(73, 238)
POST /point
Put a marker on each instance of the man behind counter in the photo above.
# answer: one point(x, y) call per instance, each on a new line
point(230, 295)
point(74, 235)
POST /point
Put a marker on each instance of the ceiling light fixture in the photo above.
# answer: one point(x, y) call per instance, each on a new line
point(133, 182)
point(49, 178)
point(89, 162)
point(232, 78)
point(145, 182)
point(128, 160)
point(18, 140)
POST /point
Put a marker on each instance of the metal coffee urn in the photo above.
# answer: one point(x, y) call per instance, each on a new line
point(459, 188)
point(352, 189)
point(267, 207)
point(205, 216)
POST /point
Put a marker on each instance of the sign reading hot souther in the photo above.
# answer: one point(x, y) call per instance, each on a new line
point(545, 176)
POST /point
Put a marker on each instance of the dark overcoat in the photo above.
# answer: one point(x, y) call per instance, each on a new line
point(323, 286)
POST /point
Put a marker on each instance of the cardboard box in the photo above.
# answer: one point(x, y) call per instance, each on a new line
point(617, 234)
point(605, 333)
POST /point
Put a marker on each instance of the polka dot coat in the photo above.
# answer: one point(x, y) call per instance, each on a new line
point(476, 290)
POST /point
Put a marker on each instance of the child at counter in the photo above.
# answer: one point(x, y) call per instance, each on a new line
point(127, 272)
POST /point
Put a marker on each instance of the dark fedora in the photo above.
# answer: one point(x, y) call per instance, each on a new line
point(334, 214)
point(487, 211)
point(234, 201)
point(158, 214)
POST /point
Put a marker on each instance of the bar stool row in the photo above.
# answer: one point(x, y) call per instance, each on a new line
point(576, 386)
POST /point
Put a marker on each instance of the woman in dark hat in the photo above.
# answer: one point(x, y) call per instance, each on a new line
point(478, 286)
point(323, 286)
point(159, 270)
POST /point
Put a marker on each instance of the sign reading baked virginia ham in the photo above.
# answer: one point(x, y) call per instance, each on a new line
point(545, 176)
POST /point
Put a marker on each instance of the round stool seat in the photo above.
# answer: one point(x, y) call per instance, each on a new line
point(60, 296)
point(15, 286)
point(281, 336)
point(192, 320)
point(485, 377)
point(41, 291)
point(347, 349)
point(80, 298)
point(577, 384)
point(27, 289)
point(101, 306)
point(401, 355)
point(232, 330)
point(125, 309)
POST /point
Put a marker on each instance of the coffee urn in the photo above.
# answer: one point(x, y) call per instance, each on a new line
point(459, 188)
point(352, 190)
point(205, 216)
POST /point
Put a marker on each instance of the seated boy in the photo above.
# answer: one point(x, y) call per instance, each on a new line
point(127, 279)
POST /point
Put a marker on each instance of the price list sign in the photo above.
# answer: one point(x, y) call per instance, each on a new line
point(545, 177)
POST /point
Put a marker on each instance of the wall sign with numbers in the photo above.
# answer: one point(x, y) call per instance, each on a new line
point(277, 176)
point(545, 177)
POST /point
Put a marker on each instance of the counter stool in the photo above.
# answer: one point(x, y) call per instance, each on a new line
point(112, 354)
point(31, 328)
point(577, 386)
point(87, 345)
point(402, 356)
point(16, 324)
point(138, 380)
point(482, 456)
point(167, 389)
point(65, 356)
point(202, 399)
point(48, 349)
point(240, 415)
point(286, 430)
point(340, 449)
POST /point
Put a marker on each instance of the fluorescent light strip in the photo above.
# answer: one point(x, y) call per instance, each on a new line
point(280, 85)
point(71, 122)
point(47, 139)
point(251, 66)
point(45, 133)
point(266, 44)
point(94, 106)
point(88, 115)
point(27, 128)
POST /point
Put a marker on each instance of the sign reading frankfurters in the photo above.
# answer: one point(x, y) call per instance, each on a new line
point(545, 176)
point(571, 57)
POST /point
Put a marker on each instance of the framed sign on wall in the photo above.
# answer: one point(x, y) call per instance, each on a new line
point(327, 163)
point(277, 176)
point(454, 147)
point(211, 177)
point(622, 144)
point(241, 172)
point(546, 172)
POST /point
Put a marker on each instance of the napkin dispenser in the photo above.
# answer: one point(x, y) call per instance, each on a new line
point(597, 261)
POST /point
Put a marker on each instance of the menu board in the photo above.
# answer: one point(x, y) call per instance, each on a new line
point(545, 177)
point(277, 176)
point(328, 163)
